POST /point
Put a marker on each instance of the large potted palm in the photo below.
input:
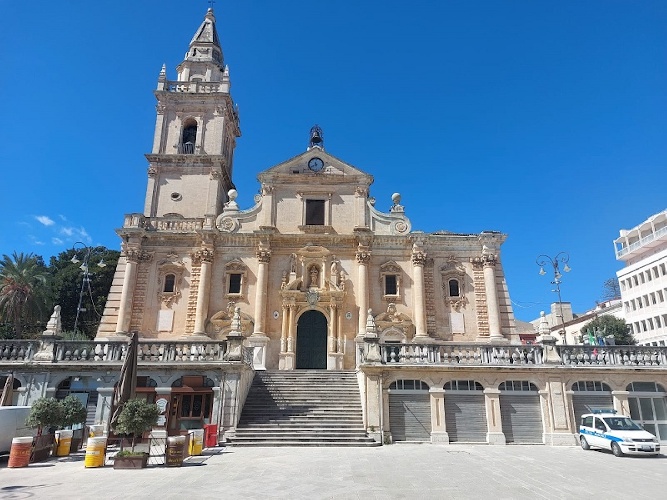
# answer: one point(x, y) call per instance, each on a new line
point(46, 414)
point(136, 417)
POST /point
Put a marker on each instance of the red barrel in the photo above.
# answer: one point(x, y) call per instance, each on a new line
point(19, 455)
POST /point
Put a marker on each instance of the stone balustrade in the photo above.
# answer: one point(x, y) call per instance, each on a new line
point(173, 224)
point(197, 87)
point(619, 355)
point(149, 351)
point(18, 350)
point(461, 354)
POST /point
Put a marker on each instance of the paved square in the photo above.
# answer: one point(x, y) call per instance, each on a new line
point(401, 471)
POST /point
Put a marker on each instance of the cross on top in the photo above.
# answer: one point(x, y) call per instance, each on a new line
point(210, 3)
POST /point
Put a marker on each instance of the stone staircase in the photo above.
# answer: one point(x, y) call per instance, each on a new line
point(302, 408)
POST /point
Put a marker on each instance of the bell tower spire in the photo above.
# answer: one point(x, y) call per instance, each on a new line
point(190, 171)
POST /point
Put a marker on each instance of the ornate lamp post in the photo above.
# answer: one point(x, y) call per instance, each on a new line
point(560, 258)
point(85, 281)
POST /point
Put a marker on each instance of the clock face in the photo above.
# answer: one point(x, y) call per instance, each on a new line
point(315, 164)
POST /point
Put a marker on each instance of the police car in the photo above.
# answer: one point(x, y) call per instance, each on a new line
point(618, 433)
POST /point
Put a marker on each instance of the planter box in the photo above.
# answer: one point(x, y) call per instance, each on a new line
point(42, 447)
point(131, 462)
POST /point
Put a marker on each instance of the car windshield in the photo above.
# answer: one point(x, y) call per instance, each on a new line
point(622, 424)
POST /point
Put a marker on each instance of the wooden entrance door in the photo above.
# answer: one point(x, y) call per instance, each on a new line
point(311, 341)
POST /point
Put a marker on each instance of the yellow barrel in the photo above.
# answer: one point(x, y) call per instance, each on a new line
point(19, 454)
point(196, 441)
point(175, 447)
point(95, 450)
point(63, 442)
point(96, 430)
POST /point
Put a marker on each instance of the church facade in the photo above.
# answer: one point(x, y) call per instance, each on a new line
point(314, 276)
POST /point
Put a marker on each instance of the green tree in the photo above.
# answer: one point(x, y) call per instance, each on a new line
point(136, 417)
point(70, 284)
point(24, 293)
point(610, 325)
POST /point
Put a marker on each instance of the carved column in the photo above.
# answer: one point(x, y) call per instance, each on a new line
point(333, 327)
point(360, 196)
point(418, 261)
point(132, 257)
point(203, 257)
point(284, 329)
point(493, 309)
point(363, 257)
point(264, 257)
point(291, 327)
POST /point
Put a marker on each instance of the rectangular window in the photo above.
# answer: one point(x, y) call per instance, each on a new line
point(314, 212)
point(234, 283)
point(390, 285)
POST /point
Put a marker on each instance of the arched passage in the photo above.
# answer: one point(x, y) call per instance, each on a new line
point(311, 341)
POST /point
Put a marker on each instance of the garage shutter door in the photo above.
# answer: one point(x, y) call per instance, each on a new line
point(521, 418)
point(410, 416)
point(586, 403)
point(465, 418)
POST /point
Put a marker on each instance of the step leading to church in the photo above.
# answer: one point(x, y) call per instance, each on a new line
point(302, 408)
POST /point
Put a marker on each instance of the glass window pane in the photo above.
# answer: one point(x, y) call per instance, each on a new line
point(660, 409)
point(646, 408)
point(197, 405)
point(650, 428)
point(634, 408)
point(662, 429)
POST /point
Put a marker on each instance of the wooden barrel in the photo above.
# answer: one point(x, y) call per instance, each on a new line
point(19, 454)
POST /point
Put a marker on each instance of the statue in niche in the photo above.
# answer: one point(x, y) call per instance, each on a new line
point(292, 263)
point(314, 275)
point(334, 268)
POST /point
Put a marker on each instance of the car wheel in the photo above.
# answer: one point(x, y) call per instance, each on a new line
point(584, 444)
point(616, 450)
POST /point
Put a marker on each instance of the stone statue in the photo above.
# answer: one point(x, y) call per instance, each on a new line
point(314, 274)
point(292, 263)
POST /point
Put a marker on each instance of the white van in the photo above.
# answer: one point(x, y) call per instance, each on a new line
point(618, 433)
point(12, 424)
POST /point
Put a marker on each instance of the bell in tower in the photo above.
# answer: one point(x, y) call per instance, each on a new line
point(316, 137)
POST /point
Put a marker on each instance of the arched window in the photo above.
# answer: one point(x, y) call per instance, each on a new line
point(590, 386)
point(409, 385)
point(454, 288)
point(189, 139)
point(517, 385)
point(463, 385)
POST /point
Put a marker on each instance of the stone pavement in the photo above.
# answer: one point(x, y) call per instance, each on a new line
point(400, 471)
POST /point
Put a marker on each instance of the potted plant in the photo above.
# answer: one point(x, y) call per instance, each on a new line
point(46, 414)
point(136, 417)
point(74, 415)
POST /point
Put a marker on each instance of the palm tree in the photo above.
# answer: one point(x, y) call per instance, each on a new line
point(23, 290)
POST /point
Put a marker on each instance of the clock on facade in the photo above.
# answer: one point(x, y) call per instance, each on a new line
point(315, 164)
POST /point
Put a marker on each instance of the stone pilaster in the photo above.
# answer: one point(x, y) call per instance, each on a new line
point(133, 256)
point(480, 298)
point(418, 261)
point(204, 259)
point(495, 434)
point(438, 427)
point(363, 257)
point(492, 307)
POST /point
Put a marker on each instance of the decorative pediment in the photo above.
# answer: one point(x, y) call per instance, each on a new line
point(220, 323)
point(395, 321)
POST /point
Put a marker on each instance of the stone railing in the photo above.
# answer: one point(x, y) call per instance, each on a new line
point(197, 87)
point(619, 355)
point(460, 354)
point(18, 350)
point(149, 351)
point(174, 224)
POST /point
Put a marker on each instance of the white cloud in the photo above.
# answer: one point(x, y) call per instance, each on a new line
point(57, 241)
point(67, 231)
point(45, 220)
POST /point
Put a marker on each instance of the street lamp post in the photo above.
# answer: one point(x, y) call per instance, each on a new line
point(560, 258)
point(85, 281)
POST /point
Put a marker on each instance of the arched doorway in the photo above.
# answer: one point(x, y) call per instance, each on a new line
point(311, 341)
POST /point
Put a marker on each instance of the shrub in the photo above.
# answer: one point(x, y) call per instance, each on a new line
point(136, 417)
point(73, 411)
point(45, 413)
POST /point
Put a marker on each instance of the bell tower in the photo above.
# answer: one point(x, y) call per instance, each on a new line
point(190, 166)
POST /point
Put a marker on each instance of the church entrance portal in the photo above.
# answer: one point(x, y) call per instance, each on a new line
point(311, 341)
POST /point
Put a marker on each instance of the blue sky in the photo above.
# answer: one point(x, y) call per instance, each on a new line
point(543, 120)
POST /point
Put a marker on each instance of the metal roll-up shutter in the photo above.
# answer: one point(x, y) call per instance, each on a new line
point(410, 416)
point(586, 403)
point(465, 418)
point(521, 418)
